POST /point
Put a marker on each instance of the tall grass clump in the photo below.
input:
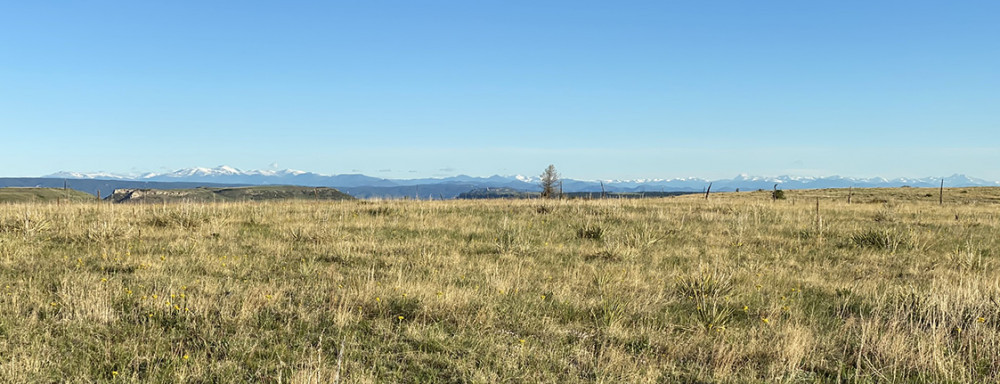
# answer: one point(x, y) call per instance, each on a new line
point(510, 239)
point(708, 291)
point(886, 239)
point(590, 232)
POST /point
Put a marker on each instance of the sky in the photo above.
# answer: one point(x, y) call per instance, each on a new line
point(406, 89)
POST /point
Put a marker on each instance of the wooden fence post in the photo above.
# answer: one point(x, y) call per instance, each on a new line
point(941, 193)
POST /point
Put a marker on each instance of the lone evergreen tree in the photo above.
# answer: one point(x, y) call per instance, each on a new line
point(550, 179)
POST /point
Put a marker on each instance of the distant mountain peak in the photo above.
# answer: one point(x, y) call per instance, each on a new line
point(226, 174)
point(87, 175)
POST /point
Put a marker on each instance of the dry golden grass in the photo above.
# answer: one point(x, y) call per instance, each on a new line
point(736, 288)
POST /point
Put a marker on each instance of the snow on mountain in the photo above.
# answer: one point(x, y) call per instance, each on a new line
point(87, 175)
point(222, 170)
point(221, 173)
point(231, 175)
point(191, 172)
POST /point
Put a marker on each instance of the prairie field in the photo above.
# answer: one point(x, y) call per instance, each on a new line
point(893, 287)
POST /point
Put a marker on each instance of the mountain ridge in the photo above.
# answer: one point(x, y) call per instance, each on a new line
point(197, 174)
point(454, 185)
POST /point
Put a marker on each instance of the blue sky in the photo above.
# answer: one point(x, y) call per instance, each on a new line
point(632, 89)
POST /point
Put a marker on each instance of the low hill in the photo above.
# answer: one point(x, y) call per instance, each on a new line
point(510, 193)
point(419, 192)
point(499, 193)
point(967, 195)
point(24, 195)
point(101, 186)
point(624, 195)
point(205, 195)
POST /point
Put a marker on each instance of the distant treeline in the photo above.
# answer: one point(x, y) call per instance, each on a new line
point(509, 193)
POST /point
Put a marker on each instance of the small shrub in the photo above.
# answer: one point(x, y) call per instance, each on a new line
point(885, 215)
point(300, 235)
point(612, 253)
point(883, 239)
point(639, 238)
point(970, 258)
point(592, 232)
point(181, 219)
point(379, 211)
point(707, 290)
point(778, 194)
point(614, 306)
point(28, 226)
point(611, 310)
point(510, 240)
point(404, 308)
point(107, 231)
point(705, 283)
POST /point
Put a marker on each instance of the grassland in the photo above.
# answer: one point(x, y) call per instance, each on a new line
point(43, 195)
point(736, 288)
point(230, 194)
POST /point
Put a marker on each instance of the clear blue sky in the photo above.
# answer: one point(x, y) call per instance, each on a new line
point(602, 89)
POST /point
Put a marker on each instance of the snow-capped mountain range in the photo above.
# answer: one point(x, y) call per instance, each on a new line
point(186, 173)
point(230, 175)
